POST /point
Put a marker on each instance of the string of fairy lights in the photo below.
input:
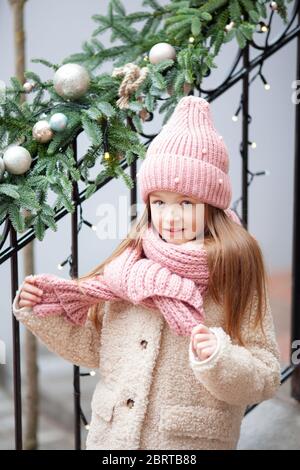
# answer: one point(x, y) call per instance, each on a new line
point(82, 221)
point(263, 28)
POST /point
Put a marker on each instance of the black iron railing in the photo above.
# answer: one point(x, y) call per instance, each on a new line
point(290, 32)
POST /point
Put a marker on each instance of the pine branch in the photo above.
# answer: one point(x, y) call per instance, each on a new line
point(54, 167)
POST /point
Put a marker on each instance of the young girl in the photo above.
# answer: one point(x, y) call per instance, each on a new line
point(177, 319)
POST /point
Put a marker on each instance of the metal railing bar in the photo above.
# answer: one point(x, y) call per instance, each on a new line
point(16, 349)
point(214, 93)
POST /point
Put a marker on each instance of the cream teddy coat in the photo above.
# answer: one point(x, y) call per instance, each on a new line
point(153, 393)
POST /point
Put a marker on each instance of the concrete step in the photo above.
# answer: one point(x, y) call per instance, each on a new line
point(273, 424)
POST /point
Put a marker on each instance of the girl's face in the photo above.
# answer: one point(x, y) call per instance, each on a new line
point(177, 218)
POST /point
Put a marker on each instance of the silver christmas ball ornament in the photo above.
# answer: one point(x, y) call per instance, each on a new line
point(58, 122)
point(17, 160)
point(161, 51)
point(42, 131)
point(71, 81)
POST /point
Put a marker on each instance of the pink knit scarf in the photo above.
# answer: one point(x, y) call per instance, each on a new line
point(163, 275)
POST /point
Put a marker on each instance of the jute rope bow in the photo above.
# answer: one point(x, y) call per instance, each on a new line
point(133, 78)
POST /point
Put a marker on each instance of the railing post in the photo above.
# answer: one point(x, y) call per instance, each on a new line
point(74, 273)
point(245, 137)
point(295, 323)
point(133, 192)
point(16, 346)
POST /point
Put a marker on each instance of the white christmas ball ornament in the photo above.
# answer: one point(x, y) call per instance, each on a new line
point(2, 168)
point(28, 87)
point(58, 122)
point(42, 131)
point(274, 6)
point(161, 51)
point(71, 81)
point(17, 160)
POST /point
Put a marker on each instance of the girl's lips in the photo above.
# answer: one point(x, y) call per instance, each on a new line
point(173, 230)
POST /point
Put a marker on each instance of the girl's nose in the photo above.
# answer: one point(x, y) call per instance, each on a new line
point(172, 214)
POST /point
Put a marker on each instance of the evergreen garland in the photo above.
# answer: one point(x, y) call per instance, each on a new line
point(196, 30)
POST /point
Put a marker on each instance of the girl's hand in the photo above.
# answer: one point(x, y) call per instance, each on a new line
point(204, 342)
point(30, 295)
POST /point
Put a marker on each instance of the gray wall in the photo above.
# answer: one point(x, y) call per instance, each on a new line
point(57, 31)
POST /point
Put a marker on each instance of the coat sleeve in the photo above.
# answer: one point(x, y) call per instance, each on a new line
point(78, 344)
point(242, 375)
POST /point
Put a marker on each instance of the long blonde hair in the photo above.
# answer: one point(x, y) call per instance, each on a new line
point(237, 271)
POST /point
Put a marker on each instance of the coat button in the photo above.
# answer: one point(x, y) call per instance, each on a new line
point(144, 343)
point(130, 403)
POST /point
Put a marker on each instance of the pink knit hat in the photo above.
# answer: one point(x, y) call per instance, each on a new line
point(188, 156)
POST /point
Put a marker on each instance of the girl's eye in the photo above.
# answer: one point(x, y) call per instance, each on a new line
point(188, 202)
point(182, 202)
point(155, 202)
